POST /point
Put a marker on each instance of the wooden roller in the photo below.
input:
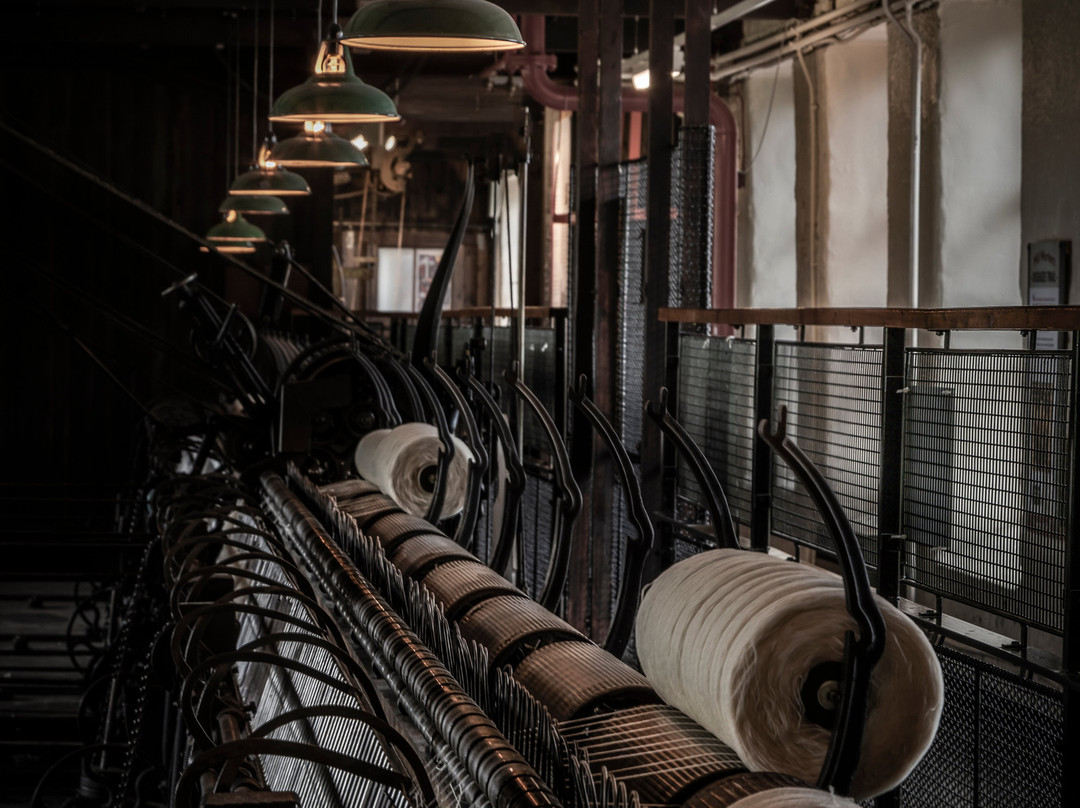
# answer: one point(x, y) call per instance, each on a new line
point(460, 585)
point(599, 681)
point(511, 627)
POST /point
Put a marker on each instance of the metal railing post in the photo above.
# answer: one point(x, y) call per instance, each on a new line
point(761, 476)
point(1070, 787)
point(889, 513)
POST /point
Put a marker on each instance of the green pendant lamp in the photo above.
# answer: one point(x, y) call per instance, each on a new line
point(317, 147)
point(433, 25)
point(231, 247)
point(254, 205)
point(234, 229)
point(266, 178)
point(333, 94)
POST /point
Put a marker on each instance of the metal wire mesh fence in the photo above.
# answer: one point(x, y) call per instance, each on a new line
point(986, 479)
point(834, 413)
point(692, 227)
point(716, 406)
point(998, 744)
point(629, 367)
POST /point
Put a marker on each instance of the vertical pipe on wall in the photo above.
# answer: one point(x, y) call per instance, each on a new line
point(916, 149)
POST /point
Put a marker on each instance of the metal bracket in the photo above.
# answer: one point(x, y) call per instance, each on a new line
point(861, 653)
point(636, 548)
point(569, 496)
point(716, 501)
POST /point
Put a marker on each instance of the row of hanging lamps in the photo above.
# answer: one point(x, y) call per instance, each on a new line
point(334, 94)
point(433, 25)
point(266, 177)
point(235, 234)
point(258, 204)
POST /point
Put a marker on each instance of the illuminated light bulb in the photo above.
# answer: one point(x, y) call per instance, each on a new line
point(391, 143)
point(360, 142)
point(333, 94)
point(641, 80)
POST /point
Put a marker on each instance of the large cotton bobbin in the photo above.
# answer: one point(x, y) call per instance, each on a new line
point(403, 462)
point(793, 798)
point(731, 637)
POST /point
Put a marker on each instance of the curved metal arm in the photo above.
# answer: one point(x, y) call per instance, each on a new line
point(342, 346)
point(382, 389)
point(715, 499)
point(221, 342)
point(569, 495)
point(861, 654)
point(636, 549)
point(465, 533)
point(427, 326)
point(515, 487)
point(447, 454)
point(392, 367)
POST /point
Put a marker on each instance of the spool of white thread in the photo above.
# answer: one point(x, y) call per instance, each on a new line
point(730, 636)
point(402, 461)
point(793, 798)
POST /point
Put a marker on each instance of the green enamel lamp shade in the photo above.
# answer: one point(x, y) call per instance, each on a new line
point(433, 25)
point(269, 181)
point(232, 247)
point(258, 204)
point(235, 228)
point(333, 94)
point(317, 147)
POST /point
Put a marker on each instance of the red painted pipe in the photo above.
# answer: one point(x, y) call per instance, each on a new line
point(534, 64)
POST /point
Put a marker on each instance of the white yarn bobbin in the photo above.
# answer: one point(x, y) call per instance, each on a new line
point(794, 797)
point(730, 637)
point(402, 461)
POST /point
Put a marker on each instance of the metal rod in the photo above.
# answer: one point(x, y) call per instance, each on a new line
point(890, 516)
point(761, 474)
point(523, 191)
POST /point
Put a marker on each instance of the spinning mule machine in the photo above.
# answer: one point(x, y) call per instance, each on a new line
point(315, 620)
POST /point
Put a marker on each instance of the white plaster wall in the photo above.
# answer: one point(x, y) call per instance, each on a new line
point(770, 188)
point(981, 67)
point(981, 95)
point(854, 100)
point(508, 236)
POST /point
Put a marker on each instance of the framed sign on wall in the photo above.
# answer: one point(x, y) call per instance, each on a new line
point(1049, 265)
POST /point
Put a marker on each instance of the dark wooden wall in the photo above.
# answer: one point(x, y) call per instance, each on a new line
point(151, 121)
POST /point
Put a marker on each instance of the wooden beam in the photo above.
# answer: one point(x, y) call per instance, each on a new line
point(1000, 318)
point(473, 312)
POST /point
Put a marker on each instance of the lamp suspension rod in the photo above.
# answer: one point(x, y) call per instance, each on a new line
point(270, 75)
point(228, 124)
point(255, 89)
point(236, 89)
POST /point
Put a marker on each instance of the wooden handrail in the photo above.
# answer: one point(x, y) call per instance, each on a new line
point(474, 312)
point(1003, 318)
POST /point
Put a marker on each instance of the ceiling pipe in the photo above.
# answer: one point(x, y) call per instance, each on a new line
point(534, 64)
